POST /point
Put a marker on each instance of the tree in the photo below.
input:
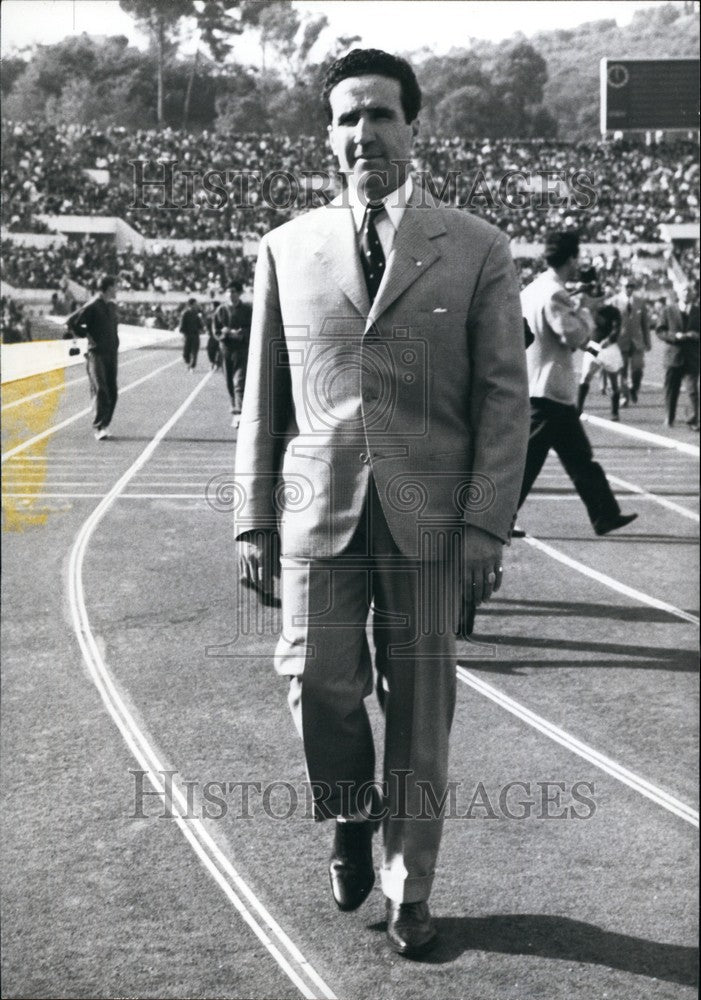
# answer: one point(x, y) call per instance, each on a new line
point(161, 18)
point(282, 28)
point(84, 79)
point(215, 26)
point(11, 67)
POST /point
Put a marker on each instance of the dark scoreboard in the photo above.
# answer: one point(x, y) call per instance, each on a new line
point(649, 94)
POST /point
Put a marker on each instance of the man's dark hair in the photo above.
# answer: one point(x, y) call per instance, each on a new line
point(606, 318)
point(375, 62)
point(106, 282)
point(236, 286)
point(560, 245)
point(192, 302)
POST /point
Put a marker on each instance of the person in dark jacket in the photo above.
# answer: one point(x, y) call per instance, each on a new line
point(191, 325)
point(97, 320)
point(232, 328)
point(213, 345)
point(679, 329)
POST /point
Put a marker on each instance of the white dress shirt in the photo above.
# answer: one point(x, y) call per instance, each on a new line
point(387, 223)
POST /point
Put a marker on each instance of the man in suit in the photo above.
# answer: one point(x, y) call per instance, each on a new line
point(97, 320)
point(383, 432)
point(562, 324)
point(634, 340)
point(232, 328)
point(679, 329)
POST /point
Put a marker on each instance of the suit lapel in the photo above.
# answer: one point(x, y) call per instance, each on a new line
point(338, 251)
point(412, 254)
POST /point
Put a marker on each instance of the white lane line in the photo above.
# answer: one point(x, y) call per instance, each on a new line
point(76, 416)
point(261, 922)
point(608, 581)
point(669, 504)
point(55, 388)
point(53, 496)
point(97, 496)
point(636, 432)
point(634, 781)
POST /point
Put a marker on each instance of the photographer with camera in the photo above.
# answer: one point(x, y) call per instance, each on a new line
point(232, 328)
point(97, 320)
point(562, 323)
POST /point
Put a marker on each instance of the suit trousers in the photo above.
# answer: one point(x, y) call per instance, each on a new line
point(633, 367)
point(556, 425)
point(235, 371)
point(102, 374)
point(673, 378)
point(324, 649)
point(191, 348)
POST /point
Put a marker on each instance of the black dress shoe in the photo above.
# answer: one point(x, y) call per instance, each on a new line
point(351, 870)
point(518, 533)
point(410, 930)
point(612, 524)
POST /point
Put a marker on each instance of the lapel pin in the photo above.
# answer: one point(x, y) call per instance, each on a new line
point(419, 263)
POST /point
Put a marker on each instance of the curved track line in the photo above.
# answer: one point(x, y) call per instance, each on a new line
point(55, 388)
point(634, 781)
point(76, 416)
point(636, 432)
point(662, 501)
point(608, 581)
point(252, 911)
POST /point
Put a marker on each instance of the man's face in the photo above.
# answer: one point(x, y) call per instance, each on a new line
point(368, 133)
point(110, 293)
point(629, 291)
point(234, 297)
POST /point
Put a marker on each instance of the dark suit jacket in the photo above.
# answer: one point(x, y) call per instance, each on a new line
point(681, 353)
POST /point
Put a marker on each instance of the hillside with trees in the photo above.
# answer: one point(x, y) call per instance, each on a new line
point(544, 86)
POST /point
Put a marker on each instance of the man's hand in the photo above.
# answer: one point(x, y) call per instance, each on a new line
point(259, 560)
point(482, 566)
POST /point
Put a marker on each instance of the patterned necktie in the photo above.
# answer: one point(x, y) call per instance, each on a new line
point(371, 253)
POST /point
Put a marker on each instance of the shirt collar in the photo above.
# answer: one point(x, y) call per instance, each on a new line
point(395, 203)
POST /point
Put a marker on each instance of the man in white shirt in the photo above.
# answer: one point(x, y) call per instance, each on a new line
point(561, 325)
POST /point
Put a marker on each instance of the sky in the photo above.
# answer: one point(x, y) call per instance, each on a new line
point(395, 25)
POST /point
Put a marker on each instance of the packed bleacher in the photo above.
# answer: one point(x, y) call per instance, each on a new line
point(636, 187)
point(81, 170)
point(83, 259)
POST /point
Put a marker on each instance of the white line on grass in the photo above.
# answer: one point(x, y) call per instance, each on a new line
point(641, 435)
point(76, 416)
point(608, 581)
point(634, 781)
point(237, 891)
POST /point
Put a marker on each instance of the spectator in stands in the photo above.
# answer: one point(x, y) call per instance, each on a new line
point(679, 330)
point(561, 324)
point(97, 320)
point(634, 340)
point(232, 328)
point(191, 326)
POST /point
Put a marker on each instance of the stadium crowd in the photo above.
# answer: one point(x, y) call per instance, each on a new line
point(633, 187)
point(83, 259)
